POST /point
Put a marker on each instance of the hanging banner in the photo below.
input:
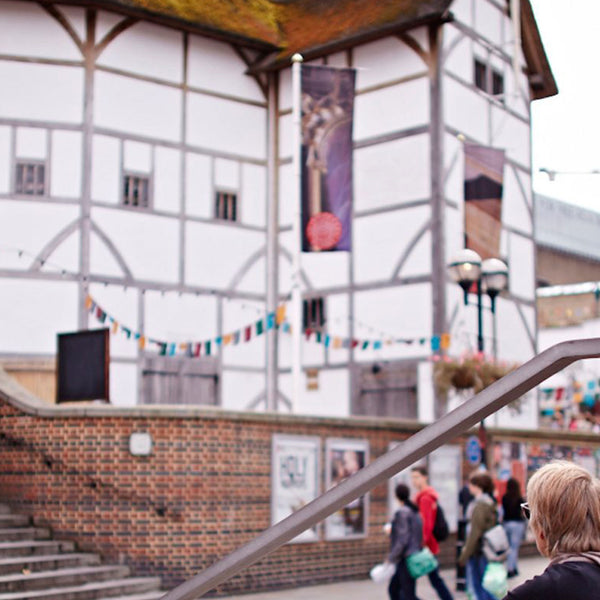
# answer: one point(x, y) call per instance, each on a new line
point(327, 101)
point(484, 169)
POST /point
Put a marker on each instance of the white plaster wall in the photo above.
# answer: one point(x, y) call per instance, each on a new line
point(521, 266)
point(198, 186)
point(512, 134)
point(65, 257)
point(102, 259)
point(332, 399)
point(401, 311)
point(215, 253)
point(338, 325)
point(454, 169)
point(106, 169)
point(75, 15)
point(516, 202)
point(29, 226)
point(380, 242)
point(287, 193)
point(488, 21)
point(122, 305)
point(253, 197)
point(458, 58)
point(34, 312)
point(21, 85)
point(31, 142)
point(167, 180)
point(5, 159)
point(65, 165)
point(123, 384)
point(170, 317)
point(466, 111)
point(148, 244)
point(385, 60)
point(237, 315)
point(463, 11)
point(147, 49)
point(218, 124)
point(392, 173)
point(239, 389)
point(139, 103)
point(137, 157)
point(391, 109)
point(216, 67)
point(253, 281)
point(27, 30)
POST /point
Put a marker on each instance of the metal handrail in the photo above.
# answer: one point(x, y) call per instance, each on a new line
point(420, 444)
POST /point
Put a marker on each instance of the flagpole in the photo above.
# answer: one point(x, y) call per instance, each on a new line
point(296, 230)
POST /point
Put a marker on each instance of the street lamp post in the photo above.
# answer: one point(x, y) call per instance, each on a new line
point(491, 277)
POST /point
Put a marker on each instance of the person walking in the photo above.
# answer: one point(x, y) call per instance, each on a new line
point(563, 505)
point(427, 502)
point(482, 516)
point(406, 538)
point(514, 523)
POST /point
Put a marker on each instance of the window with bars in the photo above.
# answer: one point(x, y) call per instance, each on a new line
point(136, 190)
point(313, 313)
point(489, 80)
point(226, 205)
point(30, 178)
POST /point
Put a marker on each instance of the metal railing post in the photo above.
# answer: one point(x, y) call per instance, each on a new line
point(491, 399)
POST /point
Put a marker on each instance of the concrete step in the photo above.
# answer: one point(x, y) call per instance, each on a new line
point(90, 591)
point(12, 520)
point(34, 548)
point(24, 533)
point(61, 577)
point(20, 564)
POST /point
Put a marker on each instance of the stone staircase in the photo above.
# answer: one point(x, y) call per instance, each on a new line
point(34, 566)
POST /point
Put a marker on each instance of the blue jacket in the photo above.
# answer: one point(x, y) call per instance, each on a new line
point(407, 534)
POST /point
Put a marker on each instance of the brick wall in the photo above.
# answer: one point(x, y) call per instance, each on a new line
point(203, 492)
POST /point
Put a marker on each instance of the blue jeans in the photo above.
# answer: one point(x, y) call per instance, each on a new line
point(402, 585)
point(475, 570)
point(437, 583)
point(515, 530)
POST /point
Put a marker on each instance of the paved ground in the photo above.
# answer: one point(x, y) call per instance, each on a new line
point(367, 590)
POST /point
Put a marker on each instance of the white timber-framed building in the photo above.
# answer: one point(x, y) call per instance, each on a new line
point(145, 161)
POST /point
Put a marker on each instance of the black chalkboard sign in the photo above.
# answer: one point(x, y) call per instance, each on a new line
point(82, 369)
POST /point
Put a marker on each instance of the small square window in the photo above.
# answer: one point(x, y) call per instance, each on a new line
point(30, 178)
point(226, 205)
point(481, 75)
point(136, 190)
point(313, 316)
point(497, 83)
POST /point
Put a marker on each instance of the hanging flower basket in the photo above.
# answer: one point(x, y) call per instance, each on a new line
point(471, 372)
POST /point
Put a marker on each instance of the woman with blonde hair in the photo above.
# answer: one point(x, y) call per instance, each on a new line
point(563, 506)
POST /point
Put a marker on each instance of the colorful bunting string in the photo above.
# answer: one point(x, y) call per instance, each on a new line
point(274, 320)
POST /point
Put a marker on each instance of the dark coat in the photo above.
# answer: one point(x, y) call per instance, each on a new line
point(570, 580)
point(407, 534)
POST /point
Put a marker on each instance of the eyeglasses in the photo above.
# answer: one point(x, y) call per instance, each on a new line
point(526, 510)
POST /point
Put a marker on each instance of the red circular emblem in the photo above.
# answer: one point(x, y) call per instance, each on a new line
point(323, 231)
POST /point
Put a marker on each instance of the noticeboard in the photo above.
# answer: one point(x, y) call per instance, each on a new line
point(82, 369)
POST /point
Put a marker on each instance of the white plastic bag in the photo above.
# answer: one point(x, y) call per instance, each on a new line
point(382, 572)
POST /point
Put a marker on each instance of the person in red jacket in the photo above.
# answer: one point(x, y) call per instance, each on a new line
point(426, 500)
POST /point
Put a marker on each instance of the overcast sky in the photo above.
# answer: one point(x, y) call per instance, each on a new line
point(566, 127)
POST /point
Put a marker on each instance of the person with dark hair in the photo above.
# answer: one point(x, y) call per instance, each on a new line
point(406, 538)
point(427, 501)
point(513, 523)
point(482, 516)
point(563, 505)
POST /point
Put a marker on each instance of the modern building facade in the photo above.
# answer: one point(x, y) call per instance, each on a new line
point(146, 185)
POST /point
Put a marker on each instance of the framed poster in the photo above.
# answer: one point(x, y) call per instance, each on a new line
point(83, 365)
point(344, 457)
point(295, 476)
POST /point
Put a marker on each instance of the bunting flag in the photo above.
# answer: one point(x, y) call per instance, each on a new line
point(275, 320)
point(327, 105)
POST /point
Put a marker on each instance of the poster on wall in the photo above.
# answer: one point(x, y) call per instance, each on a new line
point(509, 461)
point(345, 457)
point(294, 478)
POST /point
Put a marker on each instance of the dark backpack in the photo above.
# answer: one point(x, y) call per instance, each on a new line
point(440, 526)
